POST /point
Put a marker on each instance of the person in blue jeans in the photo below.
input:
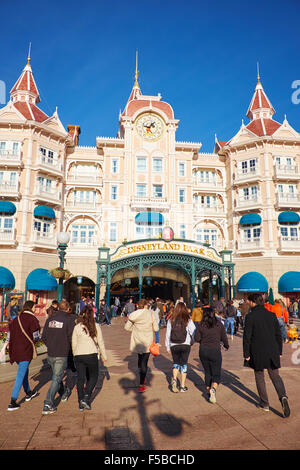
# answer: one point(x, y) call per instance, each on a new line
point(230, 316)
point(57, 336)
point(23, 332)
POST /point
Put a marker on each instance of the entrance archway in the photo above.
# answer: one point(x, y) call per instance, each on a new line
point(76, 287)
point(159, 281)
point(139, 259)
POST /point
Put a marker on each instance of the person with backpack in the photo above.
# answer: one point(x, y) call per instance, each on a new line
point(210, 333)
point(57, 336)
point(180, 331)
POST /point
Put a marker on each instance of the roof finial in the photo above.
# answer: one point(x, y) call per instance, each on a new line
point(258, 77)
point(136, 75)
point(29, 52)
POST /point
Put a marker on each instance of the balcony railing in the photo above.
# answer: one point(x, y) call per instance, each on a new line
point(50, 163)
point(291, 171)
point(44, 238)
point(9, 188)
point(48, 193)
point(85, 179)
point(248, 201)
point(245, 175)
point(207, 208)
point(204, 182)
point(10, 157)
point(289, 243)
point(80, 205)
point(83, 245)
point(250, 244)
point(288, 199)
point(7, 235)
point(152, 202)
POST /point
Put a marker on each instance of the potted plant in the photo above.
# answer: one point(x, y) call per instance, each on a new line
point(58, 273)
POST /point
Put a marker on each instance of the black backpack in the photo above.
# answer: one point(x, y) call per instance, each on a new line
point(178, 333)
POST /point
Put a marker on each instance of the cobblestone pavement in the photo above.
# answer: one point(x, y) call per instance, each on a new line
point(121, 418)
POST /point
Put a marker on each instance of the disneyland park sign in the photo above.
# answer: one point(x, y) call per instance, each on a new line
point(175, 246)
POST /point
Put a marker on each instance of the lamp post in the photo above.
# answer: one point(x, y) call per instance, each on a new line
point(63, 239)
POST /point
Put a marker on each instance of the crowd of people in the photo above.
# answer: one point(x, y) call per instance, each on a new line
point(75, 343)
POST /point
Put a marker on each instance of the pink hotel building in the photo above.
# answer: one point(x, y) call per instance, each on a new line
point(243, 197)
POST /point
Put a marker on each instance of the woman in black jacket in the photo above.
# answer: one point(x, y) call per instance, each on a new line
point(210, 333)
point(262, 344)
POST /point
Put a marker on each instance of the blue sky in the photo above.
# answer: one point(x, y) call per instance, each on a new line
point(200, 55)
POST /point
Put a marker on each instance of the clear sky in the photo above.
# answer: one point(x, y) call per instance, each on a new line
point(200, 55)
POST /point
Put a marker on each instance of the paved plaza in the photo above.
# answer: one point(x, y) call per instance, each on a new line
point(123, 419)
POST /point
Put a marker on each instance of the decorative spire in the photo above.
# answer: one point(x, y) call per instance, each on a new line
point(258, 77)
point(29, 53)
point(25, 88)
point(136, 75)
point(260, 105)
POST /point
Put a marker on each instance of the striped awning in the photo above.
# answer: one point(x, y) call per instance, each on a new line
point(149, 218)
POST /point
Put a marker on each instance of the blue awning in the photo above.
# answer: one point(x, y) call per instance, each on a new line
point(252, 282)
point(44, 211)
point(288, 216)
point(149, 218)
point(250, 219)
point(289, 282)
point(7, 279)
point(7, 207)
point(40, 279)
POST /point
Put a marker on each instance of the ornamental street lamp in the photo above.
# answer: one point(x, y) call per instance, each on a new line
point(63, 239)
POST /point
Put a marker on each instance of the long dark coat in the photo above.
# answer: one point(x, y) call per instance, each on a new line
point(262, 339)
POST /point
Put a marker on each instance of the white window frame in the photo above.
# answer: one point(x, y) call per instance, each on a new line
point(139, 185)
point(89, 232)
point(181, 195)
point(115, 166)
point(181, 165)
point(154, 194)
point(182, 231)
point(145, 166)
point(154, 169)
point(113, 231)
point(114, 192)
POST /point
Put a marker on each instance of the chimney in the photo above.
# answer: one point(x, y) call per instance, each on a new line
point(74, 132)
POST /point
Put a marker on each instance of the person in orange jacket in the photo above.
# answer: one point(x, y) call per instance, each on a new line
point(282, 316)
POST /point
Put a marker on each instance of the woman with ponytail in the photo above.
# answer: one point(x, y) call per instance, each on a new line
point(87, 346)
point(210, 333)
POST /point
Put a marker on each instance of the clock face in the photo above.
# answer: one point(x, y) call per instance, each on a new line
point(150, 126)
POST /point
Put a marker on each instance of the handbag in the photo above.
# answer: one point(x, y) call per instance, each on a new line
point(154, 349)
point(33, 346)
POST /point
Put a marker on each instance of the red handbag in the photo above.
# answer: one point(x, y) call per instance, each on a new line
point(154, 349)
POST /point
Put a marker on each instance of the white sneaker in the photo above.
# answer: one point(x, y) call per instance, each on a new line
point(212, 397)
